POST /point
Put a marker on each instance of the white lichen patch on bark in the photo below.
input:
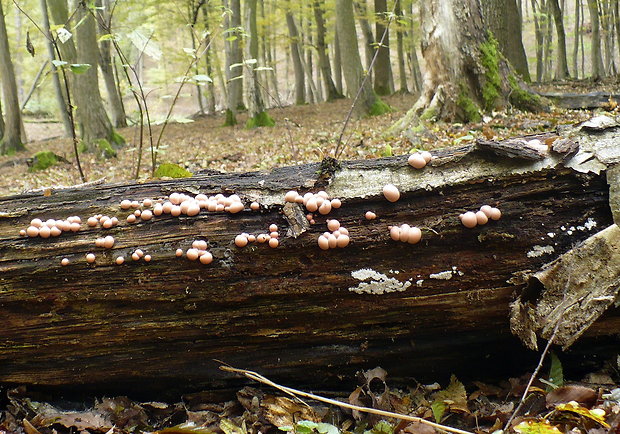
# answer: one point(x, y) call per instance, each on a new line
point(446, 275)
point(375, 283)
point(539, 251)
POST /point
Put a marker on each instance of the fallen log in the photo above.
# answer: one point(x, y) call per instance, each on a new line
point(299, 314)
point(583, 101)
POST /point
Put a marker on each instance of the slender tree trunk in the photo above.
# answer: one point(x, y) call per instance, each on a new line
point(11, 140)
point(608, 36)
point(577, 32)
point(413, 55)
point(306, 39)
point(369, 103)
point(538, 30)
point(61, 98)
point(326, 73)
point(234, 69)
point(369, 39)
point(337, 64)
point(617, 22)
point(192, 15)
point(400, 51)
point(561, 67)
point(17, 57)
point(117, 110)
point(300, 83)
point(548, 46)
point(503, 19)
point(210, 44)
point(598, 71)
point(258, 116)
point(383, 66)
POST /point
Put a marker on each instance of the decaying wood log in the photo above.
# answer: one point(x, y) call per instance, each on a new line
point(297, 313)
point(583, 101)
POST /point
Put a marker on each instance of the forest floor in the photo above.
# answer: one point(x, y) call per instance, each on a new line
point(302, 134)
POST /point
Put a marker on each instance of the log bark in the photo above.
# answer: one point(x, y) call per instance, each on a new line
point(296, 313)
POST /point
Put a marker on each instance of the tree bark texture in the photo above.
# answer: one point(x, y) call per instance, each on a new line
point(369, 40)
point(338, 63)
point(503, 20)
point(300, 82)
point(561, 67)
point(11, 140)
point(400, 51)
point(234, 57)
point(296, 313)
point(351, 61)
point(331, 91)
point(384, 81)
point(257, 114)
point(598, 70)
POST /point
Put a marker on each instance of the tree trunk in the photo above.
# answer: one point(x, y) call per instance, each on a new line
point(383, 66)
point(117, 109)
point(413, 56)
point(296, 313)
point(598, 70)
point(561, 67)
point(464, 74)
point(548, 38)
point(331, 91)
point(61, 98)
point(210, 43)
point(369, 39)
point(608, 35)
point(503, 19)
point(577, 32)
point(11, 140)
point(369, 103)
point(234, 59)
point(400, 50)
point(338, 63)
point(300, 82)
point(538, 30)
point(93, 120)
point(616, 9)
point(258, 116)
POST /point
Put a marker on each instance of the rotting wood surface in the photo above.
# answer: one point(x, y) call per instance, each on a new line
point(288, 312)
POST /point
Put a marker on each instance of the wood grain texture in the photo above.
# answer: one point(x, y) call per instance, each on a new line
point(286, 312)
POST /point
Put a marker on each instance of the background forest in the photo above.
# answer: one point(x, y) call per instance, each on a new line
point(213, 70)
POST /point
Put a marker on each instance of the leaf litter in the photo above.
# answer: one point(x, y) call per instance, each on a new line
point(474, 407)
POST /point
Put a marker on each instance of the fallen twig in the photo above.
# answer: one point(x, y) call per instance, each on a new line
point(534, 375)
point(288, 390)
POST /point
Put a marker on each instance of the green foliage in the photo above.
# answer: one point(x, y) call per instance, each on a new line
point(453, 396)
point(471, 111)
point(556, 373)
point(379, 108)
point(387, 151)
point(382, 427)
point(491, 89)
point(42, 160)
point(105, 149)
point(231, 119)
point(308, 427)
point(439, 409)
point(170, 170)
point(260, 120)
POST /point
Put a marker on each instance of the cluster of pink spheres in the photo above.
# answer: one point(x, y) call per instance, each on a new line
point(181, 204)
point(472, 219)
point(272, 238)
point(405, 233)
point(51, 227)
point(103, 220)
point(339, 236)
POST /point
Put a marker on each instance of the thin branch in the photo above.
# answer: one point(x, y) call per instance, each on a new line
point(339, 147)
point(534, 375)
point(294, 392)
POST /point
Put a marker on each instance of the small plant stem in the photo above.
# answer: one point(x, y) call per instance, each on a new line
point(534, 375)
